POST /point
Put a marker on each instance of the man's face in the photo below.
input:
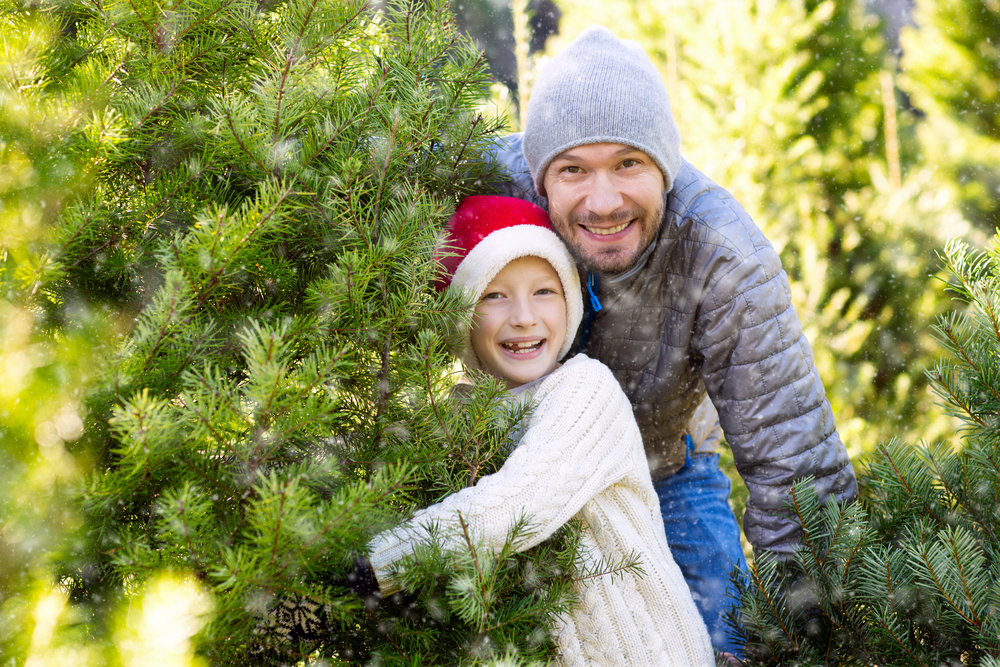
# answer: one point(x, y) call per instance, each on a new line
point(606, 202)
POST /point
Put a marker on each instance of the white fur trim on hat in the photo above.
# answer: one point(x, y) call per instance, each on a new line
point(502, 247)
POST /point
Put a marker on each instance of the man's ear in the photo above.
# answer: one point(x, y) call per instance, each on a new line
point(541, 189)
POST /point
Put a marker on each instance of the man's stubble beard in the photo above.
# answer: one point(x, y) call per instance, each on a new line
point(610, 262)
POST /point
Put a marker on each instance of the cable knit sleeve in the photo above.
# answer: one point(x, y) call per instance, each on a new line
point(571, 451)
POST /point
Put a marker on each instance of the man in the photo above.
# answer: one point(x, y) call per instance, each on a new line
point(685, 299)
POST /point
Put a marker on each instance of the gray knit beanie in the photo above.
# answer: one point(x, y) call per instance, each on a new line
point(600, 89)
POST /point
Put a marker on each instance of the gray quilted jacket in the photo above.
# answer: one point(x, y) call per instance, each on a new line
point(707, 308)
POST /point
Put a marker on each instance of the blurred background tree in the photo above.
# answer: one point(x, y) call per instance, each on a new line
point(502, 29)
point(46, 357)
point(951, 69)
point(791, 106)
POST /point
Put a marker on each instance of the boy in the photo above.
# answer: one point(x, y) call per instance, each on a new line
point(580, 456)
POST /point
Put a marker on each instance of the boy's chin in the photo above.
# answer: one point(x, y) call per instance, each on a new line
point(517, 379)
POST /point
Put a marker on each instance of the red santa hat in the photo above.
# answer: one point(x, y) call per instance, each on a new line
point(489, 232)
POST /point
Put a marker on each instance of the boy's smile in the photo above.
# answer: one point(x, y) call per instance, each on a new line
point(520, 322)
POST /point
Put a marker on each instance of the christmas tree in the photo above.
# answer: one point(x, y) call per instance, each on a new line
point(908, 575)
point(45, 361)
point(951, 69)
point(259, 222)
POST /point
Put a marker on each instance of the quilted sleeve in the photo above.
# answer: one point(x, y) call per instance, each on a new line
point(509, 154)
point(758, 368)
point(571, 450)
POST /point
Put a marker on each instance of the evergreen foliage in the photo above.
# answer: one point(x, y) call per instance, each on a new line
point(952, 65)
point(44, 363)
point(217, 221)
point(491, 24)
point(266, 190)
point(908, 575)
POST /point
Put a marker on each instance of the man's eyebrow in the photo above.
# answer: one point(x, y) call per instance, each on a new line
point(565, 156)
point(624, 150)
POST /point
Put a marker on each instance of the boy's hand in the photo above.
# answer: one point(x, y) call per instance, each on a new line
point(361, 581)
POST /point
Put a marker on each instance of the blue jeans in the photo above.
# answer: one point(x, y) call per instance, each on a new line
point(704, 539)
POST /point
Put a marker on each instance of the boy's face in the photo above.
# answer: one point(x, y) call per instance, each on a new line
point(520, 322)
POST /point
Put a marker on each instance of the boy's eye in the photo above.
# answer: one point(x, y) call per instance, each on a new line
point(546, 290)
point(492, 295)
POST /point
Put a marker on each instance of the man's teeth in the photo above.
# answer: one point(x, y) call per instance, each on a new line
point(523, 346)
point(610, 230)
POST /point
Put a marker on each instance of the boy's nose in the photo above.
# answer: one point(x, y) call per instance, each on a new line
point(522, 313)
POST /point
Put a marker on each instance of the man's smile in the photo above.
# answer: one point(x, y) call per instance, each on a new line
point(601, 231)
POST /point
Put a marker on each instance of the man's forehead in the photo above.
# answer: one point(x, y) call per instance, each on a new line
point(589, 151)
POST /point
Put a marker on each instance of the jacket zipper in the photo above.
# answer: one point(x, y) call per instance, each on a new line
point(594, 306)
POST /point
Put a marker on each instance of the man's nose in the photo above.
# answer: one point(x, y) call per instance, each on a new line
point(604, 197)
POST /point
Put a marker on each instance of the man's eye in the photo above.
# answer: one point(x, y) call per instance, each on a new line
point(629, 163)
point(572, 170)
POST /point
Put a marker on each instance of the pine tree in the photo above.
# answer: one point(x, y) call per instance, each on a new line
point(491, 23)
point(260, 219)
point(951, 72)
point(45, 362)
point(909, 575)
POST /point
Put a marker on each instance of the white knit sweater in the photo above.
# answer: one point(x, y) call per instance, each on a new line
point(581, 455)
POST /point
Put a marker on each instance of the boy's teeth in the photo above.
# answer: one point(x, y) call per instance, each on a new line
point(522, 346)
point(611, 230)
